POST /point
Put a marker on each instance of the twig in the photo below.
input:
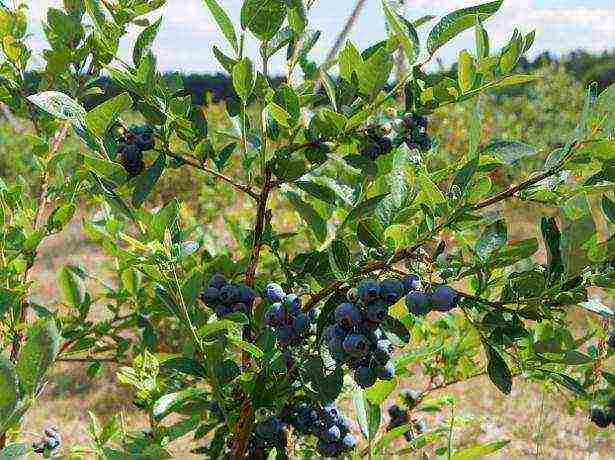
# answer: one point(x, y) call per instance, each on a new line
point(195, 164)
point(343, 35)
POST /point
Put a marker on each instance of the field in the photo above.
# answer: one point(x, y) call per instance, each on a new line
point(534, 417)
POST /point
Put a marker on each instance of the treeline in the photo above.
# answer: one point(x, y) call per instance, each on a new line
point(204, 88)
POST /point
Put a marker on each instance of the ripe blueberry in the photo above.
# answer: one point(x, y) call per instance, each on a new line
point(377, 311)
point(356, 345)
point(411, 397)
point(349, 441)
point(229, 294)
point(210, 296)
point(301, 323)
point(275, 293)
point(327, 449)
point(218, 281)
point(417, 303)
point(369, 290)
point(599, 417)
point(383, 351)
point(391, 290)
point(386, 372)
point(412, 283)
point(611, 339)
point(347, 315)
point(365, 377)
point(333, 433)
point(444, 298)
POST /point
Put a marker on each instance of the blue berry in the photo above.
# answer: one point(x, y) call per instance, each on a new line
point(218, 281)
point(383, 351)
point(229, 294)
point(418, 303)
point(411, 397)
point(365, 377)
point(333, 433)
point(386, 372)
point(275, 293)
point(444, 298)
point(246, 295)
point(412, 283)
point(349, 441)
point(327, 449)
point(356, 345)
point(369, 290)
point(285, 335)
point(377, 311)
point(293, 303)
point(301, 323)
point(395, 412)
point(391, 290)
point(408, 436)
point(347, 315)
point(210, 296)
point(331, 413)
point(223, 310)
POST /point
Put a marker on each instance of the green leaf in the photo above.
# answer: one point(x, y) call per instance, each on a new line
point(71, 287)
point(145, 182)
point(552, 237)
point(244, 79)
point(608, 206)
point(263, 17)
point(174, 401)
point(9, 389)
point(363, 208)
point(482, 40)
point(225, 61)
point(369, 233)
point(61, 216)
point(374, 74)
point(456, 22)
point(286, 98)
point(59, 105)
point(192, 288)
point(509, 151)
point(567, 382)
point(430, 190)
point(479, 451)
point(144, 41)
point(576, 358)
point(358, 398)
point(498, 370)
point(466, 71)
point(319, 191)
point(405, 31)
point(378, 393)
point(309, 215)
point(224, 155)
point(494, 237)
point(247, 347)
point(105, 168)
point(279, 114)
point(350, 61)
point(38, 353)
point(15, 451)
point(511, 53)
point(224, 22)
point(391, 435)
point(339, 255)
point(99, 119)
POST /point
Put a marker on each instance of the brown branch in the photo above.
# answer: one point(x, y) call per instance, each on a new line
point(405, 253)
point(196, 164)
point(343, 35)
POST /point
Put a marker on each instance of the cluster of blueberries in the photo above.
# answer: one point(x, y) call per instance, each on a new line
point(49, 444)
point(138, 139)
point(356, 339)
point(401, 416)
point(285, 316)
point(226, 298)
point(603, 417)
point(410, 129)
point(442, 298)
point(327, 423)
point(268, 434)
point(413, 129)
point(611, 339)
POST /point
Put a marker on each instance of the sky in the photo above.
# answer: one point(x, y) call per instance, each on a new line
point(189, 31)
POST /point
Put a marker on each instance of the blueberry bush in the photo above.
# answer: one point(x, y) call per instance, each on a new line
point(292, 340)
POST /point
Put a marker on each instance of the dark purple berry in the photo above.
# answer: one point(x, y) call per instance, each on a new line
point(377, 311)
point(369, 290)
point(327, 449)
point(347, 315)
point(383, 351)
point(611, 339)
point(210, 296)
point(391, 290)
point(349, 441)
point(599, 417)
point(301, 323)
point(386, 372)
point(218, 281)
point(412, 283)
point(444, 298)
point(418, 303)
point(356, 345)
point(229, 294)
point(365, 377)
point(275, 293)
point(333, 433)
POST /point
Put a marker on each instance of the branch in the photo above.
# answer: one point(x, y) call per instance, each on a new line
point(343, 35)
point(405, 253)
point(195, 164)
